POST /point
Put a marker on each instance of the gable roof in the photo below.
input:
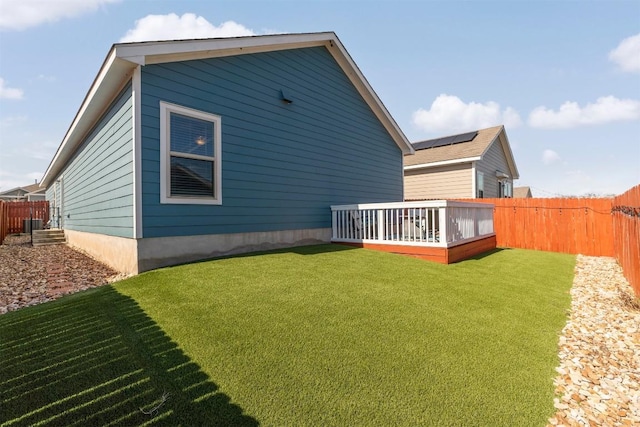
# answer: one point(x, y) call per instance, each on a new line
point(124, 58)
point(21, 193)
point(22, 190)
point(463, 152)
point(521, 192)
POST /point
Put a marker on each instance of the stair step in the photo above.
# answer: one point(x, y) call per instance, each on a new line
point(48, 237)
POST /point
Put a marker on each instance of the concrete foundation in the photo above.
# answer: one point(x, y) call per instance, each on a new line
point(133, 256)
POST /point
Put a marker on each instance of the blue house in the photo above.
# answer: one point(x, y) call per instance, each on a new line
point(185, 150)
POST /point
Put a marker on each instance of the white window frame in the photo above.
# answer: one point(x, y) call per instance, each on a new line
point(479, 185)
point(166, 109)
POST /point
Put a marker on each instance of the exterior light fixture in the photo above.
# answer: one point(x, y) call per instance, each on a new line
point(284, 97)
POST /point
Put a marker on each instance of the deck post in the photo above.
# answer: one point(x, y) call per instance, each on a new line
point(443, 220)
point(334, 225)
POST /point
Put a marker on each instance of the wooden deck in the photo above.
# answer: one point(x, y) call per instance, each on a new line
point(441, 231)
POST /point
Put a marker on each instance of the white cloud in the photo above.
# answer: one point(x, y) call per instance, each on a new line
point(449, 113)
point(550, 156)
point(187, 26)
point(22, 14)
point(11, 121)
point(46, 78)
point(9, 92)
point(627, 54)
point(606, 109)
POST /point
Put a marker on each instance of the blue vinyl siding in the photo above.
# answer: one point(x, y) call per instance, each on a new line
point(98, 182)
point(283, 165)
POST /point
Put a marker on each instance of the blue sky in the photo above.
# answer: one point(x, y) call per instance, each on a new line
point(564, 77)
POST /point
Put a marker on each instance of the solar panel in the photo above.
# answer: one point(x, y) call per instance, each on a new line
point(447, 140)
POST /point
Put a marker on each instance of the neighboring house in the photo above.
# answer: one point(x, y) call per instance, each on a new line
point(476, 164)
point(521, 193)
point(185, 150)
point(29, 193)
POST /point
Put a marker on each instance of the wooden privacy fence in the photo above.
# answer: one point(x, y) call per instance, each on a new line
point(626, 234)
point(3, 222)
point(570, 225)
point(595, 227)
point(13, 214)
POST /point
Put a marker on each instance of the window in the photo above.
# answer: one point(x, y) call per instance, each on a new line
point(190, 156)
point(505, 189)
point(480, 185)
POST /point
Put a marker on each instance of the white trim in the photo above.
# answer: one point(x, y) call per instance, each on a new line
point(506, 150)
point(366, 91)
point(474, 181)
point(166, 109)
point(123, 58)
point(442, 163)
point(136, 98)
point(417, 204)
point(111, 78)
point(162, 51)
point(480, 173)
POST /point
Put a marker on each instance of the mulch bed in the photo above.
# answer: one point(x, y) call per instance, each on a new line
point(32, 275)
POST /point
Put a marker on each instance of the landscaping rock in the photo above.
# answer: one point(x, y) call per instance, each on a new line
point(598, 380)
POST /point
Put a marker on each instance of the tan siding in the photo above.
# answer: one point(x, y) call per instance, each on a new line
point(445, 182)
point(493, 160)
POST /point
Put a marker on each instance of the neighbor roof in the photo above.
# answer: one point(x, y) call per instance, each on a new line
point(26, 189)
point(124, 58)
point(521, 192)
point(462, 152)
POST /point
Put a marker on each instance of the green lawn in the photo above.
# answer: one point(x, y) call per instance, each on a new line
point(320, 335)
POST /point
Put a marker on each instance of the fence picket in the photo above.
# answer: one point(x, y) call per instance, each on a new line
point(12, 215)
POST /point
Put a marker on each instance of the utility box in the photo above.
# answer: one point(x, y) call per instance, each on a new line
point(26, 224)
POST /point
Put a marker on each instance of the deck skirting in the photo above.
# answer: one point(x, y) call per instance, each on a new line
point(438, 254)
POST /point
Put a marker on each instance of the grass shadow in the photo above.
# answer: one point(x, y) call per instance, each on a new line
point(486, 254)
point(95, 358)
point(306, 250)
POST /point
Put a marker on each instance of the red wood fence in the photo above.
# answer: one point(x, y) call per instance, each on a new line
point(12, 215)
point(626, 234)
point(595, 227)
point(569, 225)
point(3, 222)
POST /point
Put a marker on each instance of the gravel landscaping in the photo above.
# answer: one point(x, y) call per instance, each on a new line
point(598, 381)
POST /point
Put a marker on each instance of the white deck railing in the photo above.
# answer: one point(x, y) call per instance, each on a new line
point(438, 223)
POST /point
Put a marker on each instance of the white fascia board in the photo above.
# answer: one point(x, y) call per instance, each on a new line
point(179, 50)
point(506, 146)
point(506, 149)
point(366, 91)
point(110, 79)
point(442, 163)
point(182, 50)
